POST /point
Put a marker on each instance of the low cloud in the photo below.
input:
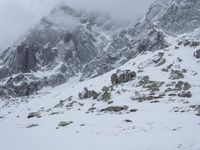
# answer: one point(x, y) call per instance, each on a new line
point(17, 16)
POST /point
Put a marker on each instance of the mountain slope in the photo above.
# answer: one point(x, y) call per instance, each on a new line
point(140, 87)
point(151, 109)
point(54, 50)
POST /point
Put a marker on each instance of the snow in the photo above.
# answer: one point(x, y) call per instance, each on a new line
point(154, 126)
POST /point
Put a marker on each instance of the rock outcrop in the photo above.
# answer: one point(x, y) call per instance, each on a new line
point(122, 76)
point(86, 94)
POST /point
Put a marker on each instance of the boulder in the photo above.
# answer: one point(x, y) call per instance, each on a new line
point(177, 74)
point(122, 76)
point(185, 94)
point(106, 95)
point(64, 123)
point(197, 54)
point(86, 94)
point(114, 109)
point(182, 85)
point(33, 115)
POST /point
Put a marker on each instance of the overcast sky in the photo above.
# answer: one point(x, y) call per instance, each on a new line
point(17, 16)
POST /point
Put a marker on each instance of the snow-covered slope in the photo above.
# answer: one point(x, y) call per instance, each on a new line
point(149, 111)
point(91, 86)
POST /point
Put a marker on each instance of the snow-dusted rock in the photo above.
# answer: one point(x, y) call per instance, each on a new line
point(122, 76)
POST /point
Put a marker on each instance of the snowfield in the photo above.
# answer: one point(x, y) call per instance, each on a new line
point(165, 122)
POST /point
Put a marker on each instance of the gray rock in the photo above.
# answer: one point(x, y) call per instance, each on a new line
point(32, 125)
point(197, 54)
point(24, 85)
point(172, 21)
point(182, 85)
point(26, 60)
point(56, 80)
point(33, 115)
point(128, 121)
point(177, 74)
point(106, 95)
point(122, 76)
point(64, 123)
point(5, 72)
point(114, 109)
point(60, 104)
point(86, 94)
point(186, 94)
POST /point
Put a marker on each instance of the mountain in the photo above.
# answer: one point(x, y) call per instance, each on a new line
point(86, 78)
point(54, 50)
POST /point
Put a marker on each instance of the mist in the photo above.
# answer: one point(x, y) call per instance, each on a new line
point(18, 16)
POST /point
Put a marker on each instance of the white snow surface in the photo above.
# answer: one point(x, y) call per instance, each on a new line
point(155, 126)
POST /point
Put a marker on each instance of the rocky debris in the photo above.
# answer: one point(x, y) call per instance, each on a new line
point(177, 74)
point(32, 125)
point(60, 104)
point(105, 95)
point(115, 109)
point(187, 42)
point(71, 104)
point(143, 81)
point(185, 94)
point(152, 86)
point(91, 110)
point(122, 76)
point(64, 123)
point(86, 94)
point(182, 85)
point(33, 115)
point(197, 54)
point(144, 97)
point(155, 101)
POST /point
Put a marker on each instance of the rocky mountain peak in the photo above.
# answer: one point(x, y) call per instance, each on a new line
point(175, 16)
